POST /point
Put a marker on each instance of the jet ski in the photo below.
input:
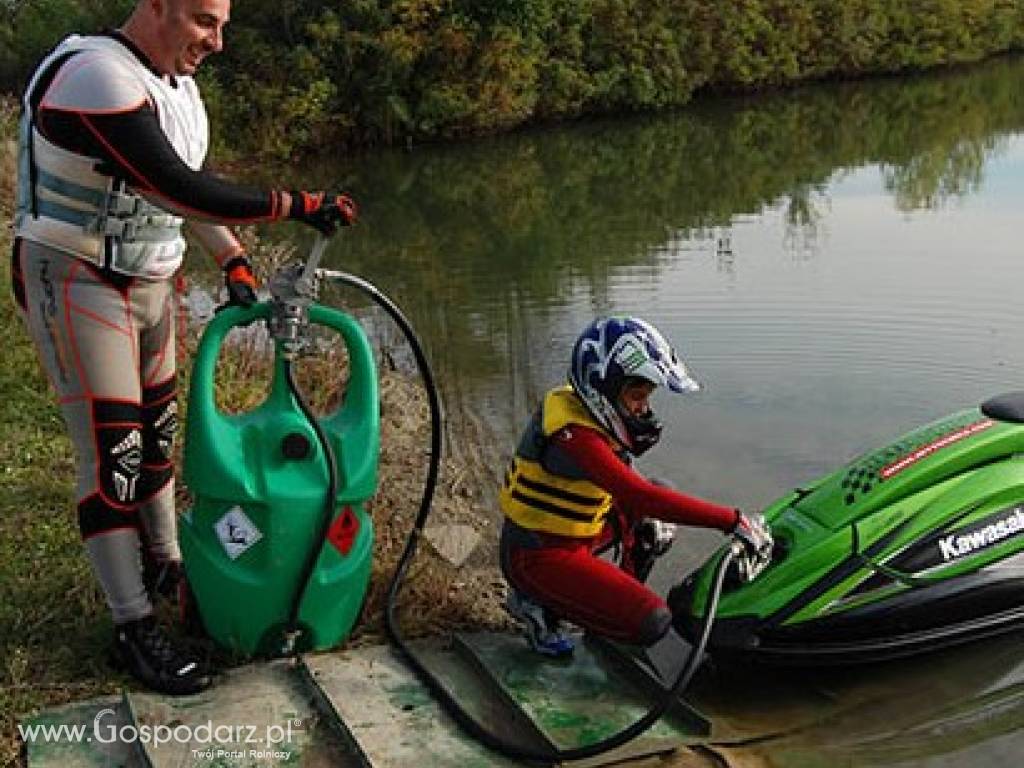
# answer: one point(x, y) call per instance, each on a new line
point(913, 547)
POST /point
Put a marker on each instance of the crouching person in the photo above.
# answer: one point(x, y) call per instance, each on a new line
point(571, 492)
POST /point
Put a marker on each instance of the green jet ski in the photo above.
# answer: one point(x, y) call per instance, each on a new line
point(913, 547)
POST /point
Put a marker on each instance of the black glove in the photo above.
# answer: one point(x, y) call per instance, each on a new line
point(322, 211)
point(651, 539)
point(656, 535)
point(240, 282)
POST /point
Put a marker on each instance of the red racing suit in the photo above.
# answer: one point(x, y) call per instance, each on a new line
point(569, 481)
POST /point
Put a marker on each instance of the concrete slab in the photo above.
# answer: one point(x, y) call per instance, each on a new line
point(257, 715)
point(83, 734)
point(366, 708)
point(655, 670)
point(474, 690)
point(390, 715)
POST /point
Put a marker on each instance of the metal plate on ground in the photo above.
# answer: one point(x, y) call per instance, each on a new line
point(655, 670)
point(583, 700)
point(257, 715)
point(473, 689)
point(390, 714)
point(395, 720)
point(79, 735)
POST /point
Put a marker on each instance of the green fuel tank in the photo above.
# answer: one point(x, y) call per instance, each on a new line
point(258, 481)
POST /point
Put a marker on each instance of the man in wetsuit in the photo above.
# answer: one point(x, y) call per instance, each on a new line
point(571, 491)
point(112, 142)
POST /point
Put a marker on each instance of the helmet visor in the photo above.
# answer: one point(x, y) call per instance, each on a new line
point(656, 362)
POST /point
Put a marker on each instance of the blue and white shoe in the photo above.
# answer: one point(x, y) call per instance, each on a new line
point(543, 636)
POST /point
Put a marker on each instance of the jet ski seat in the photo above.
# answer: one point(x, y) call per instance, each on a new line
point(1008, 407)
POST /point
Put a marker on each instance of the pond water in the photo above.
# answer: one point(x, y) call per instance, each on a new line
point(838, 264)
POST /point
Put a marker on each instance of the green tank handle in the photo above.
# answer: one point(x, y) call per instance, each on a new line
point(215, 440)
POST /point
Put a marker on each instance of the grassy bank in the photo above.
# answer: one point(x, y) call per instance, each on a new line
point(54, 625)
point(302, 76)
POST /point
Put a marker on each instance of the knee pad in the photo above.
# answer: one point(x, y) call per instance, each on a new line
point(159, 422)
point(118, 435)
point(654, 626)
point(159, 426)
point(96, 516)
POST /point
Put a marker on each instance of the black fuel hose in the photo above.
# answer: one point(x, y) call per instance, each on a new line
point(437, 688)
point(293, 630)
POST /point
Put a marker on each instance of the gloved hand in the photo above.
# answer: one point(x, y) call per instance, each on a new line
point(753, 536)
point(656, 535)
point(240, 282)
point(752, 532)
point(322, 211)
point(651, 539)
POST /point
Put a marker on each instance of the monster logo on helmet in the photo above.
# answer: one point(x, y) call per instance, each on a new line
point(608, 353)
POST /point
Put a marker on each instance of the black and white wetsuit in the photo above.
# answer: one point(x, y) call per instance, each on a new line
point(110, 163)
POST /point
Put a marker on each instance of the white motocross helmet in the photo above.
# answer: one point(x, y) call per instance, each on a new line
point(611, 351)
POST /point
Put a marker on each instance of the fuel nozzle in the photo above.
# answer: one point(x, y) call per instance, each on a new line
point(293, 288)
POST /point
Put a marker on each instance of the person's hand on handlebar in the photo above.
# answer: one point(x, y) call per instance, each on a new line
point(752, 534)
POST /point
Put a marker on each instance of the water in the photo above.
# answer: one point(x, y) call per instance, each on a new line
point(837, 264)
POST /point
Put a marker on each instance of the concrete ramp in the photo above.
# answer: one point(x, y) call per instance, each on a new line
point(256, 715)
point(388, 715)
point(521, 698)
point(578, 702)
point(365, 707)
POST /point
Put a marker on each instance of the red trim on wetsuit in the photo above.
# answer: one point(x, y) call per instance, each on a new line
point(134, 147)
point(143, 156)
point(593, 455)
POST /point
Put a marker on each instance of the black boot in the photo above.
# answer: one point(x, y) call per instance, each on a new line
point(152, 657)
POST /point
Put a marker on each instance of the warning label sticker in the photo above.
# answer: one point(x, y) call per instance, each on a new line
point(237, 533)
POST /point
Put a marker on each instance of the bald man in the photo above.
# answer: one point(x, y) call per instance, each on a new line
point(112, 142)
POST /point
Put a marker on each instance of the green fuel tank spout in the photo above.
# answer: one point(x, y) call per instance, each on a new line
point(258, 481)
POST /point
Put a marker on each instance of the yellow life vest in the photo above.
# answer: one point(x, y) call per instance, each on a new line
point(548, 494)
